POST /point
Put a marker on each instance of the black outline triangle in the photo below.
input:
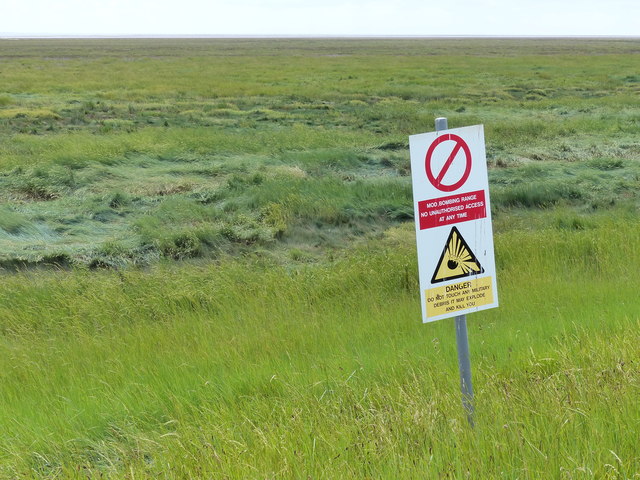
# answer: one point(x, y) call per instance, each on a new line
point(444, 250)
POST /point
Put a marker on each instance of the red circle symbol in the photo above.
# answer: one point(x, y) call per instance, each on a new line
point(437, 178)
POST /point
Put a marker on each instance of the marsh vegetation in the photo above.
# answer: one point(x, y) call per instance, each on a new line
point(209, 260)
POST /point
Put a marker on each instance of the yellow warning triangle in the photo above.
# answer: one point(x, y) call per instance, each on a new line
point(457, 260)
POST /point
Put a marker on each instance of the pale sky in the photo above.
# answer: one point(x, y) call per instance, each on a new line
point(320, 17)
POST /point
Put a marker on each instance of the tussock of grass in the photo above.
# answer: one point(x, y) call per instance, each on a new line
point(12, 222)
point(28, 114)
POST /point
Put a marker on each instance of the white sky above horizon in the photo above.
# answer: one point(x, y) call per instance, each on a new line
point(329, 17)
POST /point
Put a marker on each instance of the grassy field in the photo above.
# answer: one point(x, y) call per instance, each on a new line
point(123, 152)
point(209, 260)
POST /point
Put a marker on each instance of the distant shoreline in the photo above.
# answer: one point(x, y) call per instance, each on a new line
point(18, 36)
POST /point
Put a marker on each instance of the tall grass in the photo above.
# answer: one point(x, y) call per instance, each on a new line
point(246, 369)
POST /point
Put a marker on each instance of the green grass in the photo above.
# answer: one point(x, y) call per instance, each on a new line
point(199, 120)
point(249, 369)
point(209, 271)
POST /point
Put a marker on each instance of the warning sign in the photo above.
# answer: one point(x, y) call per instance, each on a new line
point(452, 299)
point(452, 212)
point(457, 260)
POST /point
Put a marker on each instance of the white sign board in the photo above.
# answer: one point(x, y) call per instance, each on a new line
point(453, 223)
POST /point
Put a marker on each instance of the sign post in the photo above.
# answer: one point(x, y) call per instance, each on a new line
point(464, 365)
point(453, 232)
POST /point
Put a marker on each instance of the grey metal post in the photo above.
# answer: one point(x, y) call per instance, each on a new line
point(464, 365)
point(462, 339)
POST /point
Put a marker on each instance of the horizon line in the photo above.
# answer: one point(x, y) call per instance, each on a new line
point(27, 36)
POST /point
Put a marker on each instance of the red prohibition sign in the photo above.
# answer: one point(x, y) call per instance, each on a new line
point(436, 177)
